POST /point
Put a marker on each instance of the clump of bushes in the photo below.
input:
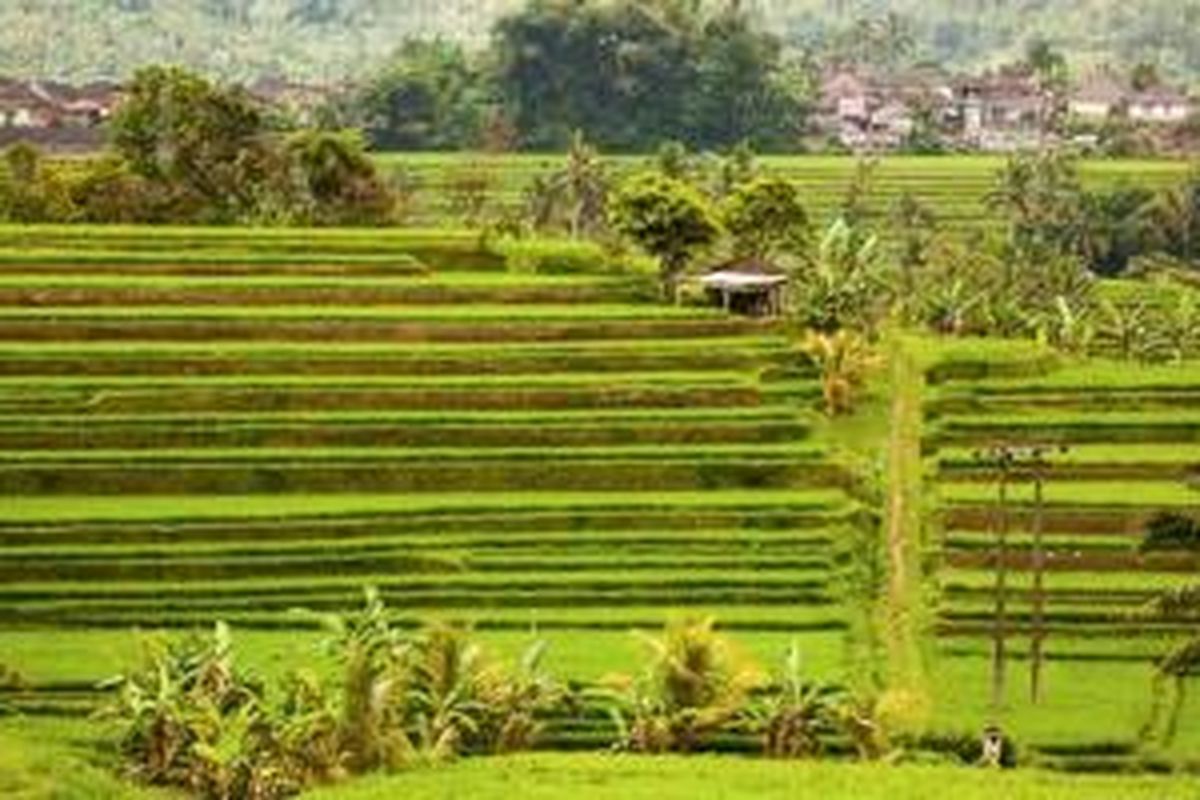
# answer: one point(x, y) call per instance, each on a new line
point(697, 686)
point(190, 718)
point(1171, 531)
point(185, 150)
point(532, 256)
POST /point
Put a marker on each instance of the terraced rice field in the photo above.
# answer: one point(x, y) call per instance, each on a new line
point(1131, 435)
point(954, 188)
point(261, 427)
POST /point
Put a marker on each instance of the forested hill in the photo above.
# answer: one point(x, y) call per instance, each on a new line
point(330, 39)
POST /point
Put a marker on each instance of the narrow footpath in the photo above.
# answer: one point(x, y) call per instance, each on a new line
point(903, 606)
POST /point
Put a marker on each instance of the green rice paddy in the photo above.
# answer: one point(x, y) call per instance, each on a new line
point(252, 425)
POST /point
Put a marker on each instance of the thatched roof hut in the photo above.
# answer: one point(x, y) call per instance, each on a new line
point(749, 286)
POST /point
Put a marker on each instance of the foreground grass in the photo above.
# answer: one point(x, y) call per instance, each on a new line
point(60, 760)
point(597, 777)
point(42, 760)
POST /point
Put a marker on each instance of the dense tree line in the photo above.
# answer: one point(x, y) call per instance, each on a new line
point(187, 151)
point(632, 73)
point(332, 39)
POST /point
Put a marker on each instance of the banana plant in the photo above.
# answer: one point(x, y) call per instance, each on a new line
point(514, 702)
point(798, 716)
point(1179, 327)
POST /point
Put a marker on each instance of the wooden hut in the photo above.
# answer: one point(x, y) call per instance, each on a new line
point(749, 286)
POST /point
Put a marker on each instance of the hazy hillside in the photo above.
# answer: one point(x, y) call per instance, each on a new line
point(328, 39)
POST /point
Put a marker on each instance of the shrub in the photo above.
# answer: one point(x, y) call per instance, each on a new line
point(668, 219)
point(694, 685)
point(844, 359)
point(338, 180)
point(552, 256)
point(1169, 530)
point(798, 717)
point(765, 216)
point(565, 257)
point(30, 190)
point(189, 719)
point(848, 284)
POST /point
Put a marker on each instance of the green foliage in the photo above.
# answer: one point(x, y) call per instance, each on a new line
point(189, 719)
point(843, 360)
point(1038, 196)
point(847, 284)
point(766, 216)
point(1113, 228)
point(1049, 213)
point(574, 198)
point(799, 717)
point(110, 192)
point(431, 97)
point(668, 219)
point(31, 190)
point(1175, 668)
point(694, 685)
point(188, 150)
point(984, 289)
point(1176, 217)
point(675, 161)
point(468, 193)
point(338, 180)
point(1168, 530)
point(555, 257)
point(632, 74)
point(208, 143)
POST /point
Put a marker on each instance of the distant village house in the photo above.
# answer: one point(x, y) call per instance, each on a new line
point(53, 115)
point(1103, 95)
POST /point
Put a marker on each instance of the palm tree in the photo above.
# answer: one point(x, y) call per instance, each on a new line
point(843, 358)
point(1176, 667)
point(1176, 216)
point(582, 185)
point(694, 685)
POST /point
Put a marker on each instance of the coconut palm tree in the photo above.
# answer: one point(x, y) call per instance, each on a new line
point(695, 684)
point(1176, 667)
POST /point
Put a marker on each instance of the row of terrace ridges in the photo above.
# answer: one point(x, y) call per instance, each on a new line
point(1132, 439)
point(1132, 448)
point(954, 188)
point(271, 423)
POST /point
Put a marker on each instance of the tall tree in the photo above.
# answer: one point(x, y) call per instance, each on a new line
point(741, 94)
point(668, 219)
point(430, 98)
point(210, 142)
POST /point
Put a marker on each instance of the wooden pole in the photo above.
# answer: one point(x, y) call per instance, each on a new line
point(1039, 594)
point(999, 656)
